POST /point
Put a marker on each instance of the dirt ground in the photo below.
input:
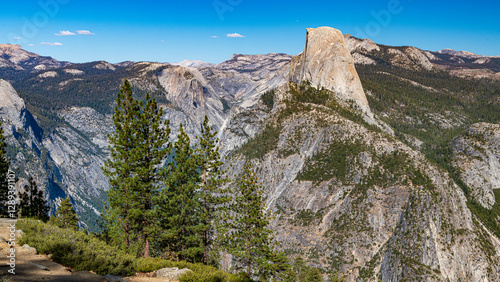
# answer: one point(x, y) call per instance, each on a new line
point(28, 266)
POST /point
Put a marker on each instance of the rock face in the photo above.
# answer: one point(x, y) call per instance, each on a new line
point(477, 155)
point(12, 107)
point(326, 62)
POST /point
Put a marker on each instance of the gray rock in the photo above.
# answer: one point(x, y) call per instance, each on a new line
point(172, 273)
point(29, 249)
point(326, 62)
point(113, 278)
point(477, 155)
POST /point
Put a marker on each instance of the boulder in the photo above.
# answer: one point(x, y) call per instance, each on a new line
point(113, 278)
point(29, 249)
point(172, 273)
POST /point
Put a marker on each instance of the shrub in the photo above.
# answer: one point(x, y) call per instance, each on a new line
point(201, 272)
point(76, 249)
point(268, 98)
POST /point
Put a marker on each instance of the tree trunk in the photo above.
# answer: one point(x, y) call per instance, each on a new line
point(127, 231)
point(249, 261)
point(146, 248)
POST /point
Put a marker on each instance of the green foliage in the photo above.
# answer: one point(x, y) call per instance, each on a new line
point(212, 196)
point(300, 272)
point(180, 209)
point(32, 203)
point(304, 93)
point(66, 215)
point(249, 239)
point(410, 108)
point(75, 248)
point(138, 147)
point(489, 217)
point(268, 98)
point(336, 160)
point(306, 217)
point(262, 143)
point(201, 272)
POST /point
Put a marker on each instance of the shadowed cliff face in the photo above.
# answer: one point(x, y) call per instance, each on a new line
point(326, 62)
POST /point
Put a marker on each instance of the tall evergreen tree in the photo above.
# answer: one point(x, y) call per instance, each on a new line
point(181, 207)
point(32, 202)
point(249, 238)
point(152, 150)
point(66, 215)
point(120, 167)
point(4, 169)
point(212, 195)
point(138, 148)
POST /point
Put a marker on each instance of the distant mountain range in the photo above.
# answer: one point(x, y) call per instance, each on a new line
point(379, 162)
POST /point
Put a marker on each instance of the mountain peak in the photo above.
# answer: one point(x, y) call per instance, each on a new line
point(466, 54)
point(326, 62)
point(193, 64)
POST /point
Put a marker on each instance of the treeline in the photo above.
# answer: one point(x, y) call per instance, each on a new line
point(171, 200)
point(95, 89)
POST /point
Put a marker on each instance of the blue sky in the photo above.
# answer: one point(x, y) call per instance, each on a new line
point(212, 30)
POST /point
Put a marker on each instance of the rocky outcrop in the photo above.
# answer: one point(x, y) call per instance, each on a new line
point(14, 57)
point(477, 155)
point(326, 62)
point(12, 107)
point(356, 201)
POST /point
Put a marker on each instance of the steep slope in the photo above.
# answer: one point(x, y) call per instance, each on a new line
point(66, 160)
point(351, 198)
point(74, 104)
point(477, 155)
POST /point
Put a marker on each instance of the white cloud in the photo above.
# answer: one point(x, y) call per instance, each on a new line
point(214, 36)
point(16, 38)
point(51, 43)
point(84, 32)
point(65, 33)
point(235, 35)
point(31, 45)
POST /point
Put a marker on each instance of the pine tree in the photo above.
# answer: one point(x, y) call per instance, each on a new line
point(139, 146)
point(32, 203)
point(212, 195)
point(249, 238)
point(66, 215)
point(181, 207)
point(120, 167)
point(314, 275)
point(4, 168)
point(152, 150)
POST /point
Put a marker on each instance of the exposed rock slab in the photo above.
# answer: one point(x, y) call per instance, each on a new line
point(477, 155)
point(326, 62)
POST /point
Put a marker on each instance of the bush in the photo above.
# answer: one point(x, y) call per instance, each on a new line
point(201, 272)
point(86, 252)
point(76, 249)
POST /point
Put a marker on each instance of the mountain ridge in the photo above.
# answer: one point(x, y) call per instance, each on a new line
point(347, 196)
